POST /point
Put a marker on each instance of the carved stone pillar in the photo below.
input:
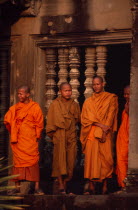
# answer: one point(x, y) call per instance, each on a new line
point(90, 55)
point(50, 76)
point(4, 99)
point(74, 61)
point(132, 179)
point(63, 61)
point(101, 61)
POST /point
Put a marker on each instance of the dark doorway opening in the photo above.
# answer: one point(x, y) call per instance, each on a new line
point(118, 72)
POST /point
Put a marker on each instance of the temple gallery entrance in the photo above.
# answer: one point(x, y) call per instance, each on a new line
point(113, 63)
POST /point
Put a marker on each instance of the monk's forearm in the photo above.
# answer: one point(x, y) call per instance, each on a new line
point(50, 134)
point(105, 128)
point(98, 124)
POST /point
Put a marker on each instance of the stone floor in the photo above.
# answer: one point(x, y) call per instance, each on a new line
point(82, 202)
point(52, 201)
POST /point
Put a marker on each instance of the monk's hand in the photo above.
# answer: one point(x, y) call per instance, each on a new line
point(105, 128)
point(103, 139)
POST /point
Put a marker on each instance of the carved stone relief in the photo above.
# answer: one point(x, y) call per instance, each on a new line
point(30, 7)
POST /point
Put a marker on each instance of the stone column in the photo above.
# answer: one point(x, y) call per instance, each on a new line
point(132, 178)
point(101, 61)
point(50, 76)
point(63, 61)
point(90, 56)
point(74, 61)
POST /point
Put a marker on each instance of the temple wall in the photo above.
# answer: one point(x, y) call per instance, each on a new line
point(57, 17)
point(76, 16)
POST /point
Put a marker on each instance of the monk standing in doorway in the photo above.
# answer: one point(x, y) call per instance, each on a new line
point(122, 142)
point(24, 122)
point(63, 116)
point(99, 121)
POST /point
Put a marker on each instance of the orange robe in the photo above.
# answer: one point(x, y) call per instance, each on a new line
point(61, 127)
point(101, 108)
point(122, 149)
point(25, 123)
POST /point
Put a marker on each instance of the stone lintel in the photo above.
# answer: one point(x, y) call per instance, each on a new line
point(84, 39)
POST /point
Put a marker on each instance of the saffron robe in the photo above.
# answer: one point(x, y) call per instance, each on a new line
point(25, 123)
point(122, 149)
point(62, 119)
point(101, 108)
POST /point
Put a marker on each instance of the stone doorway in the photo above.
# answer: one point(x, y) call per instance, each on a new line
point(116, 64)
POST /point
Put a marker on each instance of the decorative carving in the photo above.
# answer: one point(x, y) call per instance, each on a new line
point(90, 56)
point(74, 62)
point(63, 61)
point(31, 7)
point(101, 61)
point(50, 76)
point(23, 3)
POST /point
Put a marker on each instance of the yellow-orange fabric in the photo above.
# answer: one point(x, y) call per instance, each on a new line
point(101, 108)
point(25, 123)
point(122, 149)
point(61, 127)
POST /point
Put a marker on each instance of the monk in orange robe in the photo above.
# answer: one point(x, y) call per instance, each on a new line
point(24, 122)
point(99, 121)
point(63, 116)
point(122, 142)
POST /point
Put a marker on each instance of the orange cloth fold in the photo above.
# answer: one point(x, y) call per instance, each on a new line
point(25, 123)
point(99, 108)
point(30, 173)
point(122, 149)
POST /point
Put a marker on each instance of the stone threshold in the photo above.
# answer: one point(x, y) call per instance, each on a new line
point(122, 201)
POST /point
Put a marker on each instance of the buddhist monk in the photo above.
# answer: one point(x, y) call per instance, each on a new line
point(24, 122)
point(99, 121)
point(63, 116)
point(122, 142)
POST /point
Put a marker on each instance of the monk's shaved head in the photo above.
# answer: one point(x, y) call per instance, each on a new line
point(97, 84)
point(25, 88)
point(98, 77)
point(64, 84)
point(127, 87)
